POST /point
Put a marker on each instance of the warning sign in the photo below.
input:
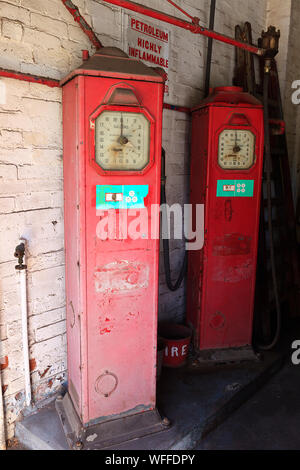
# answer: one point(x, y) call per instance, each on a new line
point(148, 43)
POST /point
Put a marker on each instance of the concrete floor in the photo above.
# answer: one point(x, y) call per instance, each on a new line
point(194, 401)
point(258, 405)
point(270, 420)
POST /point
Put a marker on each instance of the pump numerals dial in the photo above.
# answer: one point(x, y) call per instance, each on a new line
point(122, 141)
point(236, 149)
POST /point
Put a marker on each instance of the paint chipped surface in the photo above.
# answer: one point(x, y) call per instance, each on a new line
point(106, 325)
point(121, 276)
point(233, 274)
point(42, 374)
point(232, 244)
point(104, 331)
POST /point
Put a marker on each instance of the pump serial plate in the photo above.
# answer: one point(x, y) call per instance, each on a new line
point(235, 188)
point(121, 196)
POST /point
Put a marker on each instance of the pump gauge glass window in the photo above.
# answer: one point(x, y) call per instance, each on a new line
point(236, 149)
point(122, 141)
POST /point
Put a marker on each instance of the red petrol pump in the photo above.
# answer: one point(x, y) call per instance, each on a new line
point(226, 174)
point(112, 121)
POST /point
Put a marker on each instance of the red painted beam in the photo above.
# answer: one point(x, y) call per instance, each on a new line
point(29, 78)
point(73, 9)
point(192, 27)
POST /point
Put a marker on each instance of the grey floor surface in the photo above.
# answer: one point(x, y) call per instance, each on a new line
point(270, 420)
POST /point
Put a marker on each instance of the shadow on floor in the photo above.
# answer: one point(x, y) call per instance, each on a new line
point(270, 420)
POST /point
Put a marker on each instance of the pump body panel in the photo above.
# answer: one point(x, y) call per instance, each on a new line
point(112, 282)
point(226, 176)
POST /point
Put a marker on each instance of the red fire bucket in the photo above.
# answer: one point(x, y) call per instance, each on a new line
point(177, 339)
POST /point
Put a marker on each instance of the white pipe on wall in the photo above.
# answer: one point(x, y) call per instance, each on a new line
point(23, 292)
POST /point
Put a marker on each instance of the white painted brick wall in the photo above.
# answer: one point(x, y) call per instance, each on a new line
point(41, 37)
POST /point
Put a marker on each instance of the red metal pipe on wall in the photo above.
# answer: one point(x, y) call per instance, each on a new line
point(29, 78)
point(193, 27)
point(73, 9)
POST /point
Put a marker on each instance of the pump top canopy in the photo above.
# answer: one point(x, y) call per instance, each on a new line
point(113, 62)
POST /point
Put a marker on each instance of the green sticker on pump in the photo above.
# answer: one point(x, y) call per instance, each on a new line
point(121, 196)
point(235, 188)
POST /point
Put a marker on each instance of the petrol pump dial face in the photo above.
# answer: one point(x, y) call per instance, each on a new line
point(236, 149)
point(122, 141)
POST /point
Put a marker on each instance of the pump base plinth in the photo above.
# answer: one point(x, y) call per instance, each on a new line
point(217, 357)
point(108, 433)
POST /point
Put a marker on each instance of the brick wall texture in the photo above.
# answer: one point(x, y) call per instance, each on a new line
point(41, 37)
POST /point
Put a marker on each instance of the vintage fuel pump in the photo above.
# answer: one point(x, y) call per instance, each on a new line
point(112, 119)
point(226, 175)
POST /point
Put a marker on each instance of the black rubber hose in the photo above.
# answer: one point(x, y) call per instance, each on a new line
point(209, 47)
point(269, 200)
point(166, 248)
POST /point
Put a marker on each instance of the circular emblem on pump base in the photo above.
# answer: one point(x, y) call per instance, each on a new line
point(217, 321)
point(106, 384)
